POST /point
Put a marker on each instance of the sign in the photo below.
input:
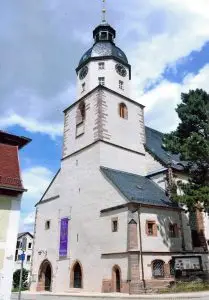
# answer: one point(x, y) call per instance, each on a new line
point(188, 263)
point(63, 237)
point(22, 256)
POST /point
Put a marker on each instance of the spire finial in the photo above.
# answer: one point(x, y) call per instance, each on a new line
point(104, 11)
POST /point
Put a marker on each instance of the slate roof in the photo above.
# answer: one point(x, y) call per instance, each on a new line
point(24, 233)
point(138, 189)
point(154, 142)
point(104, 49)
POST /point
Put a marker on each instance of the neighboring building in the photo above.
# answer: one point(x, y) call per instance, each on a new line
point(106, 223)
point(11, 191)
point(28, 251)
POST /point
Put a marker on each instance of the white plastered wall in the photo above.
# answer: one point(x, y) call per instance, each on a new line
point(111, 78)
point(10, 246)
point(84, 193)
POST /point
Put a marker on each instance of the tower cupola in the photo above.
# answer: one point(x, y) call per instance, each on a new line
point(104, 63)
point(103, 33)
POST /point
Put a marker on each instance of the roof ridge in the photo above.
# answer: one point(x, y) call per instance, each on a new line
point(119, 171)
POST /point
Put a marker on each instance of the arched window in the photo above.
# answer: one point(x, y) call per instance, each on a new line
point(172, 267)
point(80, 118)
point(158, 269)
point(116, 279)
point(123, 111)
point(81, 113)
point(76, 278)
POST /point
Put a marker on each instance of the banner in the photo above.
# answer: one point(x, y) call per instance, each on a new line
point(63, 237)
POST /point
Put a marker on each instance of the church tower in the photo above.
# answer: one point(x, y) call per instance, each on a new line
point(104, 111)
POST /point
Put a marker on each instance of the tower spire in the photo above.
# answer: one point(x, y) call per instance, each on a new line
point(104, 11)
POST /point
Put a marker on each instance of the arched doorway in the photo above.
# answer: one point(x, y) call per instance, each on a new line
point(45, 276)
point(76, 280)
point(116, 279)
point(158, 269)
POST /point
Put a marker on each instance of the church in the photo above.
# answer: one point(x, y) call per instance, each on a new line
point(106, 222)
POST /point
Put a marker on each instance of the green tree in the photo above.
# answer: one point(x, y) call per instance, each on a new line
point(16, 278)
point(191, 141)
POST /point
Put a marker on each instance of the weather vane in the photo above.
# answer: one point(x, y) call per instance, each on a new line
point(104, 11)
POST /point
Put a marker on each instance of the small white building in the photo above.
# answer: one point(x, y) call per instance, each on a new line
point(28, 251)
point(106, 223)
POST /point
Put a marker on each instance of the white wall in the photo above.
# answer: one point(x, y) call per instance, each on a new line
point(111, 78)
point(83, 194)
point(162, 242)
point(10, 246)
point(124, 133)
point(152, 164)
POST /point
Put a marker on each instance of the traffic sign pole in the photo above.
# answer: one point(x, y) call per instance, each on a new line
point(24, 243)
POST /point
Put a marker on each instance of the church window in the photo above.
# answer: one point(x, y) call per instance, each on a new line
point(83, 87)
point(80, 118)
point(101, 80)
point(47, 225)
point(81, 113)
point(101, 65)
point(123, 111)
point(114, 225)
point(121, 85)
point(173, 230)
point(151, 228)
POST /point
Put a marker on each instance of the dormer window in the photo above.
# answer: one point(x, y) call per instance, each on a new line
point(101, 65)
point(101, 80)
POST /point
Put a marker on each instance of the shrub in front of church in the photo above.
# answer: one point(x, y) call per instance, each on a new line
point(16, 279)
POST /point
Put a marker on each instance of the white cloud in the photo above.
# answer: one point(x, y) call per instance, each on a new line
point(48, 41)
point(36, 180)
point(162, 101)
point(185, 30)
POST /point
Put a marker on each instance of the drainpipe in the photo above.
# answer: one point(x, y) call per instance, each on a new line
point(182, 232)
point(141, 254)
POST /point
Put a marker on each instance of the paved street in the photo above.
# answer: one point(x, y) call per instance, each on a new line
point(47, 296)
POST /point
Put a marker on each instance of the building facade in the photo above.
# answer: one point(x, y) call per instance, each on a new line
point(11, 191)
point(28, 251)
point(106, 223)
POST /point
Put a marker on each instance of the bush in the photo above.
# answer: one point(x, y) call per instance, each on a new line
point(16, 278)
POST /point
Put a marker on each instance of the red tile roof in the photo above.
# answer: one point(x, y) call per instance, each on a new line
point(10, 176)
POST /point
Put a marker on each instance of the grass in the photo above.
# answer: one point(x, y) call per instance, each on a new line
point(15, 290)
point(186, 287)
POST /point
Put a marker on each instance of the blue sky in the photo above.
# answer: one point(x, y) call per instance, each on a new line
point(167, 44)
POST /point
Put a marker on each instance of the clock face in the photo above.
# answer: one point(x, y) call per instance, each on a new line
point(121, 70)
point(83, 72)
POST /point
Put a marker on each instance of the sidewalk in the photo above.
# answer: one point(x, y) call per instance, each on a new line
point(116, 296)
